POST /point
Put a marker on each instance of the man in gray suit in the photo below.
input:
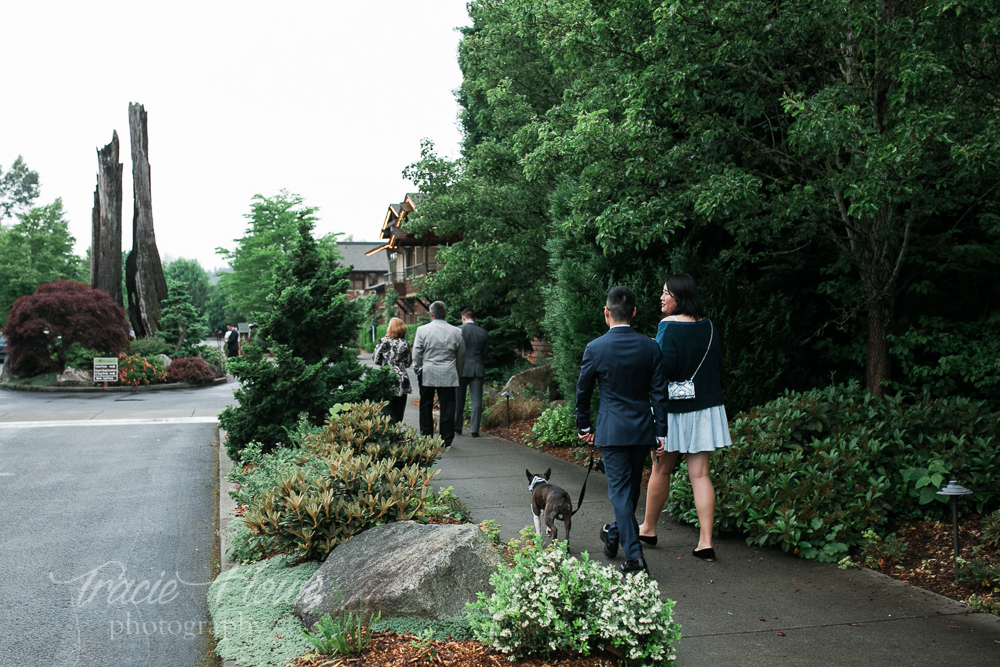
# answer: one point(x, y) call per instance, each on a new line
point(477, 342)
point(438, 355)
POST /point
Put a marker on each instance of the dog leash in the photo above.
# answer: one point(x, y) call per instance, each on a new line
point(590, 466)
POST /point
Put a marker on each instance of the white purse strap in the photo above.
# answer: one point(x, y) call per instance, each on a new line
point(710, 336)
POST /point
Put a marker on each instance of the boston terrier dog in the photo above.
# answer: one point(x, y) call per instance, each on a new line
point(550, 500)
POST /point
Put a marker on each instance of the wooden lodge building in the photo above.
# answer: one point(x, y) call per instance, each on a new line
point(410, 258)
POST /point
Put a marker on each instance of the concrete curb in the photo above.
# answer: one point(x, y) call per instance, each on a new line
point(227, 509)
point(118, 388)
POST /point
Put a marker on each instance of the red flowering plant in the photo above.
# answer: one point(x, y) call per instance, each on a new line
point(135, 370)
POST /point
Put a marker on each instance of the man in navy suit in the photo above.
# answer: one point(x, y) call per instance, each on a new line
point(626, 366)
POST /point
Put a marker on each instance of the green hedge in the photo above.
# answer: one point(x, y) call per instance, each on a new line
point(811, 471)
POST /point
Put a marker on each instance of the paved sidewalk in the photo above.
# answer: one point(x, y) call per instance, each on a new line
point(752, 606)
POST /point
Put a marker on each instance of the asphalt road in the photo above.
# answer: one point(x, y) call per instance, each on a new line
point(107, 526)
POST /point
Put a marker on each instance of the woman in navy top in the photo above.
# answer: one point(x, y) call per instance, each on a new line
point(697, 426)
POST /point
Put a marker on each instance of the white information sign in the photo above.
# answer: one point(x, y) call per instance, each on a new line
point(105, 369)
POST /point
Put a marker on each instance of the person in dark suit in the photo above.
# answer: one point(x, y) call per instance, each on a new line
point(232, 341)
point(477, 342)
point(626, 366)
point(438, 354)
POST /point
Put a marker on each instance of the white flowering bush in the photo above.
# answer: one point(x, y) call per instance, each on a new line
point(549, 601)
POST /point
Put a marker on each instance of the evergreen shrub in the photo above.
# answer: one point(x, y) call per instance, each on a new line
point(549, 601)
point(360, 471)
point(80, 357)
point(192, 370)
point(312, 330)
point(149, 347)
point(557, 427)
point(812, 471)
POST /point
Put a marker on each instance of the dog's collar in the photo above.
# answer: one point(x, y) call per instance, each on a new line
point(535, 482)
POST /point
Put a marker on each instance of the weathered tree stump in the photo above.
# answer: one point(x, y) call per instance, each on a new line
point(145, 283)
point(106, 237)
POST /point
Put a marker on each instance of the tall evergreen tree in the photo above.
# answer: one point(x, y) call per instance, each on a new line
point(311, 328)
point(182, 326)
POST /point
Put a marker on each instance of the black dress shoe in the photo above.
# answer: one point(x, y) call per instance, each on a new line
point(610, 548)
point(475, 435)
point(648, 539)
point(458, 432)
point(634, 566)
point(704, 554)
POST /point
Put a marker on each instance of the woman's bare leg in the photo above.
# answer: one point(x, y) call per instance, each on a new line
point(657, 492)
point(704, 497)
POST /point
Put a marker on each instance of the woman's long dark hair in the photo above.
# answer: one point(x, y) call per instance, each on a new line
point(685, 292)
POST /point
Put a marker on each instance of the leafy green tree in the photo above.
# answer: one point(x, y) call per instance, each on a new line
point(18, 189)
point(182, 326)
point(833, 142)
point(195, 279)
point(311, 328)
point(272, 232)
point(37, 249)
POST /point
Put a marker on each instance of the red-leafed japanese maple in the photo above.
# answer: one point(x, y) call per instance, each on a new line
point(70, 313)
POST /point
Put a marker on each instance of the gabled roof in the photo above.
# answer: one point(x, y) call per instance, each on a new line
point(359, 255)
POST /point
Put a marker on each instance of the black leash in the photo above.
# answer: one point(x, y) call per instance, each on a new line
point(590, 466)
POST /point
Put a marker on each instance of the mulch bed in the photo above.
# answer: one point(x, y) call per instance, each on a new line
point(928, 560)
point(391, 650)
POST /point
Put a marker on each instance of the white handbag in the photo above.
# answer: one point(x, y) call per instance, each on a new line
point(684, 390)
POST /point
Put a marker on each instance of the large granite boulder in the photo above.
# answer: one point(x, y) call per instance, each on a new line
point(75, 376)
point(402, 569)
point(539, 378)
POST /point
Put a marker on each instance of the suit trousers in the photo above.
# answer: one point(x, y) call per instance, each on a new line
point(396, 408)
point(623, 469)
point(446, 400)
point(475, 387)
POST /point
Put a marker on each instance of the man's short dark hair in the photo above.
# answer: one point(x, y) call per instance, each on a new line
point(438, 310)
point(469, 314)
point(621, 303)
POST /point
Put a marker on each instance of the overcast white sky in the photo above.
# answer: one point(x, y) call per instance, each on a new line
point(328, 100)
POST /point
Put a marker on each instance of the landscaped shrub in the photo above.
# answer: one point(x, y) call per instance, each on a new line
point(78, 356)
point(149, 347)
point(360, 471)
point(133, 370)
point(549, 601)
point(557, 427)
point(812, 471)
point(312, 330)
point(192, 370)
point(41, 327)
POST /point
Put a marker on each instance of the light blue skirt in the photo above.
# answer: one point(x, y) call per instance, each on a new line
point(701, 431)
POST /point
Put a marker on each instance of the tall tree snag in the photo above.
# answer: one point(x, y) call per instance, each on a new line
point(147, 287)
point(106, 237)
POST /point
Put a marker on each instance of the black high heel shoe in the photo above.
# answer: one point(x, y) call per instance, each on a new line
point(648, 539)
point(704, 554)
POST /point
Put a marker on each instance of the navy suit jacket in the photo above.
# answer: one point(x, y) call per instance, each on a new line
point(626, 366)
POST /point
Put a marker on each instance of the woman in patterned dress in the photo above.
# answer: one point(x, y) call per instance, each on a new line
point(393, 350)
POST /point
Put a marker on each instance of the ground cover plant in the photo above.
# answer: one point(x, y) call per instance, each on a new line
point(251, 609)
point(810, 472)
